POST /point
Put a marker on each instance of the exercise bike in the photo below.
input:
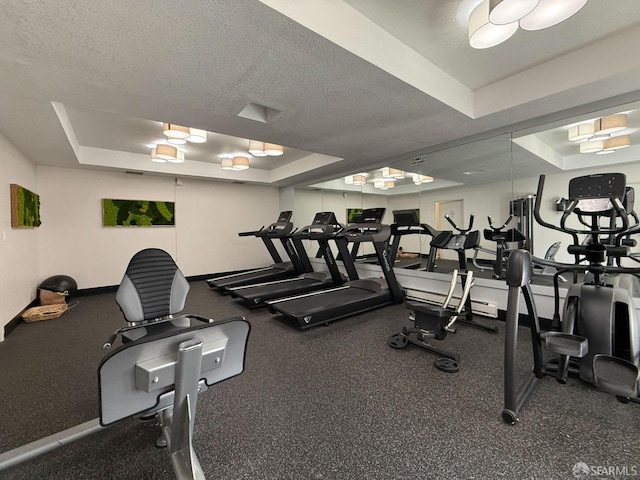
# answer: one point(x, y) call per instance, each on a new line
point(163, 363)
point(598, 338)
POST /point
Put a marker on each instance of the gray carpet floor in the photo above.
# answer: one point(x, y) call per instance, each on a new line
point(330, 402)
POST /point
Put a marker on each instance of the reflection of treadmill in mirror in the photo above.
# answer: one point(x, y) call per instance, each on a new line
point(407, 222)
point(324, 227)
point(280, 230)
point(357, 295)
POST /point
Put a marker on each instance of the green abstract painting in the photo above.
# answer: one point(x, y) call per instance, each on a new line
point(140, 213)
point(25, 207)
point(354, 215)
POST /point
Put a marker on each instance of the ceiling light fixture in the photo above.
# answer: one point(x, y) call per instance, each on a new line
point(551, 12)
point(348, 179)
point(226, 164)
point(256, 148)
point(240, 163)
point(502, 12)
point(155, 158)
point(166, 152)
point(273, 150)
point(171, 130)
point(494, 21)
point(263, 149)
point(483, 33)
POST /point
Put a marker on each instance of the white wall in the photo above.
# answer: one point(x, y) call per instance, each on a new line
point(204, 240)
point(18, 246)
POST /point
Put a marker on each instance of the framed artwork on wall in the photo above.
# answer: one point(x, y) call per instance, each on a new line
point(137, 213)
point(25, 207)
point(354, 215)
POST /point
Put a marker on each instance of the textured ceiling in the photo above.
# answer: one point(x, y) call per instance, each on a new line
point(359, 84)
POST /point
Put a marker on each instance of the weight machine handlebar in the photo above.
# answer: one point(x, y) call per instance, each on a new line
point(497, 229)
point(461, 230)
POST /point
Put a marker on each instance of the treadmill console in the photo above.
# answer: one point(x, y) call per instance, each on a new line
point(406, 218)
point(285, 216)
point(325, 218)
point(372, 215)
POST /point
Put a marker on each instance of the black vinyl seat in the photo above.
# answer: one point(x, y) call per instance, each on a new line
point(153, 289)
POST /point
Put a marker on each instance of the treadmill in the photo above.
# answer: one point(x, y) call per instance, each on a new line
point(355, 296)
point(406, 222)
point(279, 230)
point(324, 227)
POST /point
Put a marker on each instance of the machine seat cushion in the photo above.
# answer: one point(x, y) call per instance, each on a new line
point(152, 287)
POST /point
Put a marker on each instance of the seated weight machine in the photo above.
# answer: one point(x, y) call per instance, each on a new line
point(598, 338)
point(430, 321)
point(502, 238)
point(159, 373)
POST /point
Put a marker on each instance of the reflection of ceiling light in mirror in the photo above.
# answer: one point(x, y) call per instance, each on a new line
point(579, 133)
point(179, 157)
point(612, 124)
point(392, 173)
point(389, 184)
point(473, 172)
point(605, 152)
point(175, 131)
point(591, 147)
point(378, 183)
point(616, 143)
point(166, 152)
point(256, 148)
point(197, 135)
point(240, 163)
point(155, 158)
point(226, 164)
point(273, 150)
point(176, 141)
point(359, 179)
point(348, 179)
point(419, 179)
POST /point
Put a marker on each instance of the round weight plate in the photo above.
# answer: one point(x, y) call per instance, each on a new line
point(448, 365)
point(398, 341)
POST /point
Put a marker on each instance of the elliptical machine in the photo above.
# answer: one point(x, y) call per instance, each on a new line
point(598, 338)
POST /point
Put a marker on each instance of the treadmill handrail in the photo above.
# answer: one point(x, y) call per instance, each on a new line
point(305, 295)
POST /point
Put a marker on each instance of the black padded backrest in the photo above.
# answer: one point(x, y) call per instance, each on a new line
point(152, 287)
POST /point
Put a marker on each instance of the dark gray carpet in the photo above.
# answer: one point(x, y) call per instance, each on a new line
point(326, 403)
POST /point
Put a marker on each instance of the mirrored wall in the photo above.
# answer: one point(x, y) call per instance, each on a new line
point(493, 178)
